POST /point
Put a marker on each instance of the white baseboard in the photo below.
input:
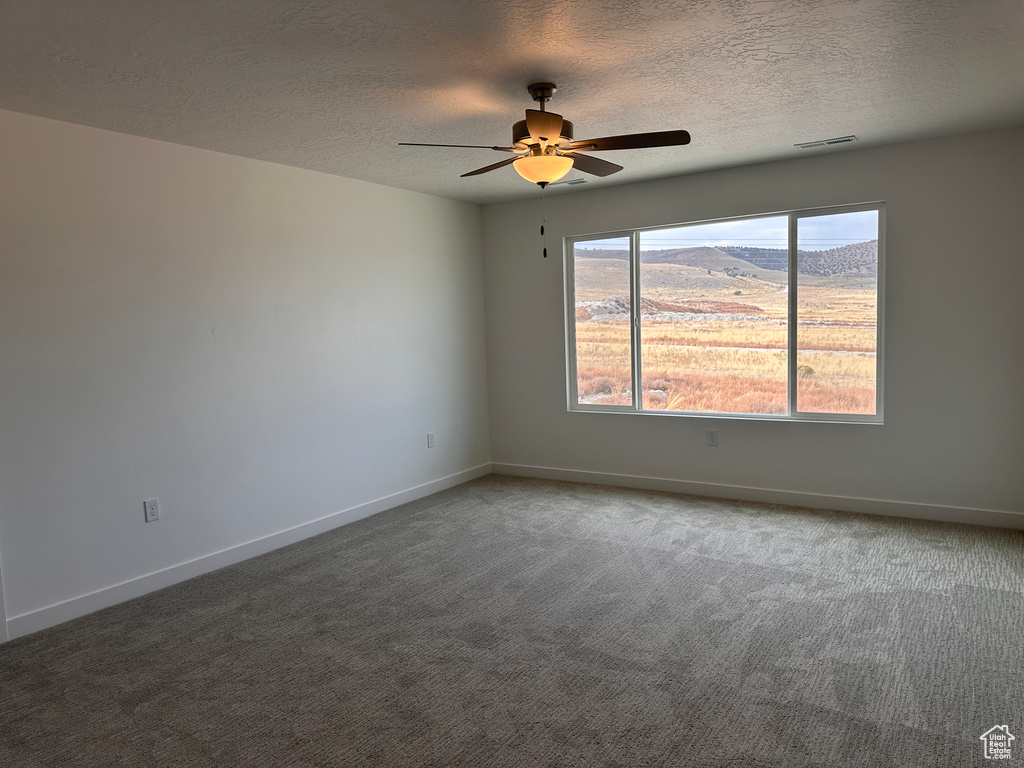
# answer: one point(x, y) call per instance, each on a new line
point(42, 618)
point(34, 621)
point(948, 514)
point(3, 612)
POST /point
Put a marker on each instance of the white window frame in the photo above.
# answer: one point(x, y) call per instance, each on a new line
point(633, 235)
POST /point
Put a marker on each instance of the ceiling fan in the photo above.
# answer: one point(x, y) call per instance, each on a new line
point(545, 151)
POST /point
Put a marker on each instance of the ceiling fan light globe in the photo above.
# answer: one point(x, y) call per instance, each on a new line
point(542, 169)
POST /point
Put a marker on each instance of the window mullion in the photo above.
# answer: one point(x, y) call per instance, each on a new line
point(791, 318)
point(634, 308)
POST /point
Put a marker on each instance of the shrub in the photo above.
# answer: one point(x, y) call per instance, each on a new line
point(600, 385)
point(657, 382)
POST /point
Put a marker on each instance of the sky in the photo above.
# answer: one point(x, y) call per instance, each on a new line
point(814, 233)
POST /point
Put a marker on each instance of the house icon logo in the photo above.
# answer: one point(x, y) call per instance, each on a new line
point(998, 744)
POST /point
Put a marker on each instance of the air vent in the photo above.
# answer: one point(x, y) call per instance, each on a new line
point(826, 142)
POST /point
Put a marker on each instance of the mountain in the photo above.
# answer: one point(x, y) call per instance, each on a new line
point(859, 259)
point(776, 259)
point(702, 257)
point(856, 259)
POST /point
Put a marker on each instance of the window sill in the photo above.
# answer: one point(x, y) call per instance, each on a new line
point(810, 418)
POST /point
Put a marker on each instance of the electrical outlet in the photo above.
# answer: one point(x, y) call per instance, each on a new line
point(152, 510)
point(430, 439)
point(713, 437)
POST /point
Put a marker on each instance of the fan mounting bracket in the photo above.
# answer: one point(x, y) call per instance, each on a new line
point(542, 92)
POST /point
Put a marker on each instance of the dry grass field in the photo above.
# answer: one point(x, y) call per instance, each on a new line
point(715, 343)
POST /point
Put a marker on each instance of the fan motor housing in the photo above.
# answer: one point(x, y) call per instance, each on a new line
point(521, 136)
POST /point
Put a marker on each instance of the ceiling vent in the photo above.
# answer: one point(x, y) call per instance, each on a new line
point(826, 142)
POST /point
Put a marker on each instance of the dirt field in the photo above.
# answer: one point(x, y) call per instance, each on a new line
point(711, 342)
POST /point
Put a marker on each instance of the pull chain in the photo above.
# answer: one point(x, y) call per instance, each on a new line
point(543, 221)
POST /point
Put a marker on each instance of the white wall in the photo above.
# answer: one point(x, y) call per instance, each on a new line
point(951, 446)
point(258, 346)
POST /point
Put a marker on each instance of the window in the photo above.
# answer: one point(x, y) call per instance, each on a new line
point(775, 316)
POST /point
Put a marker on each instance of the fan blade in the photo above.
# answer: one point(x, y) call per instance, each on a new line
point(463, 146)
point(544, 127)
point(485, 169)
point(633, 141)
point(593, 165)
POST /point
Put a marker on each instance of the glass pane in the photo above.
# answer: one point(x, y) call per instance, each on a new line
point(713, 316)
point(604, 367)
point(837, 312)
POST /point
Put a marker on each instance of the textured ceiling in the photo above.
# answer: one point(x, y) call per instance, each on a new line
point(334, 86)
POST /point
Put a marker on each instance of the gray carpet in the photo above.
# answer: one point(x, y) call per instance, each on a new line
point(515, 622)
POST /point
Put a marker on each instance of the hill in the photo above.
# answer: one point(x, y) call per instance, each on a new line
point(597, 279)
point(860, 259)
point(601, 253)
point(702, 258)
point(716, 260)
point(854, 260)
point(776, 259)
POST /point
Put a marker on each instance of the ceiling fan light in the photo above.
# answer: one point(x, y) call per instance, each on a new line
point(542, 169)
